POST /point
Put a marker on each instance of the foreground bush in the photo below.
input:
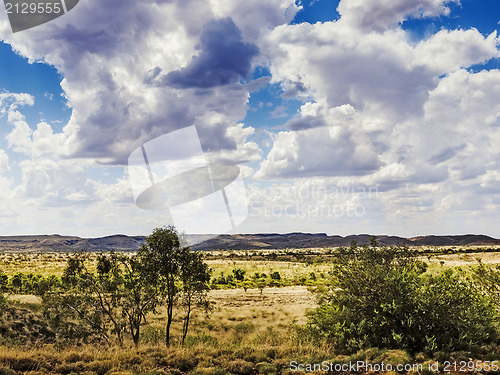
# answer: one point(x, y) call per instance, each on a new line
point(380, 297)
point(488, 279)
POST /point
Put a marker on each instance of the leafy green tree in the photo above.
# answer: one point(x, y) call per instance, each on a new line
point(46, 284)
point(275, 275)
point(90, 297)
point(246, 284)
point(261, 284)
point(370, 297)
point(109, 301)
point(195, 276)
point(219, 280)
point(161, 256)
point(141, 296)
point(180, 275)
point(85, 298)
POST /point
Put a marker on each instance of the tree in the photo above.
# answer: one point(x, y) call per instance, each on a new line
point(454, 314)
point(195, 276)
point(91, 298)
point(246, 284)
point(261, 284)
point(275, 275)
point(109, 301)
point(141, 296)
point(161, 257)
point(177, 272)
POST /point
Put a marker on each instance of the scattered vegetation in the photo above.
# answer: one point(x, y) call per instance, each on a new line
point(168, 310)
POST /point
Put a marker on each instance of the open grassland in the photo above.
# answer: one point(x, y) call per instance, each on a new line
point(257, 331)
point(43, 264)
point(246, 333)
point(290, 263)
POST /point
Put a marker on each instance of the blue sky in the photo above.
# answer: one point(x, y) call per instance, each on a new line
point(344, 116)
point(38, 79)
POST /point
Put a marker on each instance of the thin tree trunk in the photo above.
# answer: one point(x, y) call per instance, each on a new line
point(186, 321)
point(170, 305)
point(134, 330)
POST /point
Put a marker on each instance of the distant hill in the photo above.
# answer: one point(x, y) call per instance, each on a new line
point(299, 240)
point(309, 240)
point(59, 243)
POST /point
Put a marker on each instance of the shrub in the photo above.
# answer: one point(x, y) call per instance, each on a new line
point(17, 282)
point(239, 366)
point(244, 328)
point(24, 364)
point(210, 371)
point(201, 338)
point(379, 297)
point(4, 280)
point(221, 279)
point(70, 368)
point(266, 368)
point(488, 278)
point(454, 314)
point(246, 284)
point(275, 275)
point(239, 274)
point(22, 326)
point(100, 367)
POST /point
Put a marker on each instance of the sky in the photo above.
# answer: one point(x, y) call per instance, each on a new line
point(344, 117)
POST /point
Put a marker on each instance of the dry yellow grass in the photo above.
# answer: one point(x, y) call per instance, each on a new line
point(247, 332)
point(46, 264)
point(287, 270)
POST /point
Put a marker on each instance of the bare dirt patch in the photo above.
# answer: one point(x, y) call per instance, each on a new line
point(285, 296)
point(465, 259)
point(275, 306)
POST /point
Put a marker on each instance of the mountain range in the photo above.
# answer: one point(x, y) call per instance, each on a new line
point(297, 240)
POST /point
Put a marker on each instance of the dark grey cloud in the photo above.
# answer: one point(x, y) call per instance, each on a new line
point(223, 59)
point(306, 122)
point(445, 154)
point(293, 90)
